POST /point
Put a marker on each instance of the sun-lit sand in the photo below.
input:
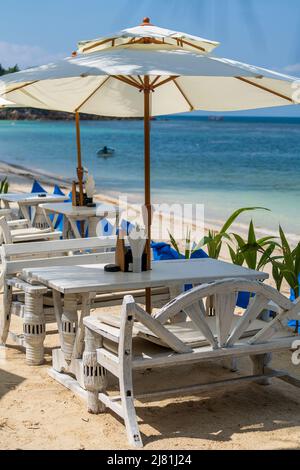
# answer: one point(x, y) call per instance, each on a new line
point(38, 413)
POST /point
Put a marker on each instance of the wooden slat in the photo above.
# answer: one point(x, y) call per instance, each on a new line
point(206, 353)
point(254, 309)
point(197, 389)
point(221, 287)
point(25, 287)
point(109, 361)
point(169, 338)
point(224, 307)
point(14, 267)
point(111, 404)
point(196, 312)
point(59, 246)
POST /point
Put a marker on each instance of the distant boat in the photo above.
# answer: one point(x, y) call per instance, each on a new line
point(216, 118)
point(106, 152)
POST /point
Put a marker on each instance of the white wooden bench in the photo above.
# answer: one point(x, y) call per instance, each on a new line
point(136, 341)
point(20, 231)
point(25, 300)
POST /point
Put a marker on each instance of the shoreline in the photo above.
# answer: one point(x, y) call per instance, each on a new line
point(21, 177)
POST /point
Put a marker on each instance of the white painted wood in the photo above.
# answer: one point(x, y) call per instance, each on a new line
point(224, 307)
point(11, 235)
point(164, 273)
point(112, 404)
point(95, 376)
point(255, 307)
point(61, 246)
point(165, 335)
point(224, 286)
point(109, 361)
point(208, 354)
point(260, 362)
point(198, 389)
point(69, 383)
point(196, 313)
point(129, 311)
point(31, 199)
point(5, 314)
point(79, 340)
point(92, 215)
point(285, 376)
point(278, 324)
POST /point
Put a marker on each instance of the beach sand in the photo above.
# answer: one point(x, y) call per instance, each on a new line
point(38, 413)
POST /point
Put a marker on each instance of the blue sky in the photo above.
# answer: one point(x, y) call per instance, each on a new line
point(261, 32)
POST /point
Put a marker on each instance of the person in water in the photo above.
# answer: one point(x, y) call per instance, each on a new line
point(105, 149)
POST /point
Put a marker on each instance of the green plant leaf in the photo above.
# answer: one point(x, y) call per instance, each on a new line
point(236, 214)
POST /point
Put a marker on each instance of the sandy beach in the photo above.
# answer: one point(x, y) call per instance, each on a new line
point(38, 413)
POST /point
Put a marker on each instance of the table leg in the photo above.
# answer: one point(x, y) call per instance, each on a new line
point(92, 225)
point(25, 212)
point(34, 329)
point(69, 325)
point(95, 377)
point(85, 312)
point(74, 228)
point(48, 220)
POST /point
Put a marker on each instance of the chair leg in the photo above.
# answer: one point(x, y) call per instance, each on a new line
point(231, 364)
point(5, 316)
point(260, 362)
point(132, 428)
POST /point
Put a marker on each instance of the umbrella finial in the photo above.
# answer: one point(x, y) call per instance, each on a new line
point(146, 21)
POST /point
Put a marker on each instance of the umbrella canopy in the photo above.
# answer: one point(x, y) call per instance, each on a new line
point(153, 36)
point(108, 83)
point(6, 104)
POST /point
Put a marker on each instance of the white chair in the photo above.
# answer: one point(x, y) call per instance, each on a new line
point(20, 231)
point(135, 341)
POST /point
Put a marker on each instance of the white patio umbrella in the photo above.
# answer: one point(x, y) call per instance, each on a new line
point(6, 104)
point(142, 74)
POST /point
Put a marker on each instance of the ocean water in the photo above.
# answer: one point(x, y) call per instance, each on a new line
point(224, 164)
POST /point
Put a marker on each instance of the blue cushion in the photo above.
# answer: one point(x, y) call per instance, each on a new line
point(37, 188)
point(293, 297)
point(243, 299)
point(163, 252)
point(57, 191)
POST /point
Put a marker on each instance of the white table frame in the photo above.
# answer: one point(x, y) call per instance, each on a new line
point(27, 200)
point(72, 215)
point(84, 282)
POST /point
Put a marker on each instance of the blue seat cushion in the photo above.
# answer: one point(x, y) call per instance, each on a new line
point(37, 188)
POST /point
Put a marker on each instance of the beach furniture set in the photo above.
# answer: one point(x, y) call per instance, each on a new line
point(64, 281)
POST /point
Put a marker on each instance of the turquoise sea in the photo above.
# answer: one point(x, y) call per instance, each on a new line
point(223, 164)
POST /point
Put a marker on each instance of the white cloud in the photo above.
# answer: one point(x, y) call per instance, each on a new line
point(24, 55)
point(292, 68)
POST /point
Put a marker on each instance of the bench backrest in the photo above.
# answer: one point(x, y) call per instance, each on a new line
point(16, 257)
point(228, 332)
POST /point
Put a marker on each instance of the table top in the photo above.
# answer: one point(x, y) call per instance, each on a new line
point(32, 198)
point(69, 210)
point(93, 278)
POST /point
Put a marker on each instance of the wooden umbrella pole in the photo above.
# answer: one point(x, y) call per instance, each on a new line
point(79, 159)
point(147, 118)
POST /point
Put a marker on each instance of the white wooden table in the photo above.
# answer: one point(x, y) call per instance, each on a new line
point(27, 200)
point(92, 216)
point(82, 283)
